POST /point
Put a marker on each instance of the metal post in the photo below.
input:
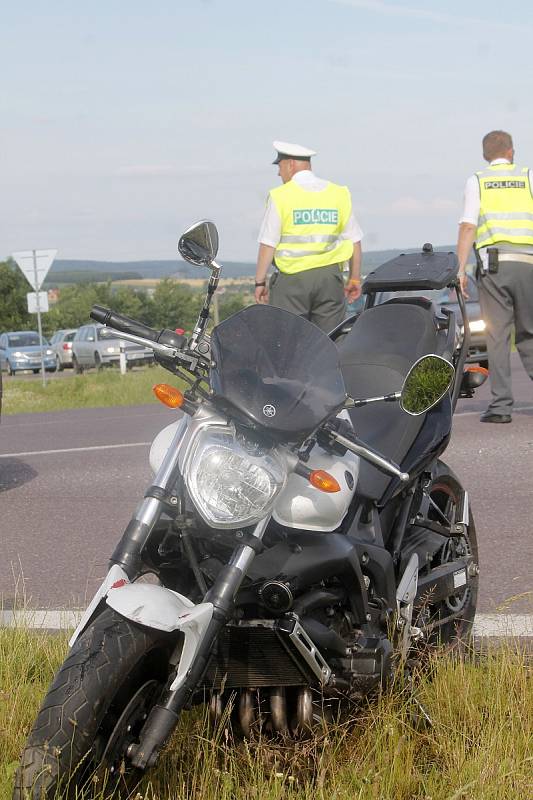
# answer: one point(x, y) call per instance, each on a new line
point(122, 359)
point(37, 289)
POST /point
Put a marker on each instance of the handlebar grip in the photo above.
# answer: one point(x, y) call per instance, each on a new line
point(122, 323)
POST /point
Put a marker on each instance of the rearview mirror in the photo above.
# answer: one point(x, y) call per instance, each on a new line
point(425, 384)
point(199, 243)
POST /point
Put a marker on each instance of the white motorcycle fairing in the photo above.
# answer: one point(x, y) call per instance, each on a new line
point(115, 574)
point(165, 610)
point(299, 504)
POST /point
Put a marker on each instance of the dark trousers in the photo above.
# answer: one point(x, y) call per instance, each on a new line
point(506, 298)
point(316, 294)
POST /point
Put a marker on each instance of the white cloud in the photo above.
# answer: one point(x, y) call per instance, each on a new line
point(408, 204)
point(395, 10)
point(168, 170)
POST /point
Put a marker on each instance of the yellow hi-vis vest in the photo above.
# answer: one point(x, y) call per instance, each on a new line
point(311, 226)
point(506, 206)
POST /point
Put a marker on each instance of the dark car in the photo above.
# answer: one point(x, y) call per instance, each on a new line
point(477, 351)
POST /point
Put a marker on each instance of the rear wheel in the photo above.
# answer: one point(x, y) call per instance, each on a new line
point(98, 362)
point(78, 369)
point(94, 709)
point(451, 620)
point(59, 366)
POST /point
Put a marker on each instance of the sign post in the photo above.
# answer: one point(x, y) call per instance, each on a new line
point(35, 265)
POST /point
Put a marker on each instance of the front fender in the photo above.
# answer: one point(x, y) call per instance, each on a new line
point(164, 610)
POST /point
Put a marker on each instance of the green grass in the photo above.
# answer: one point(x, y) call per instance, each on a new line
point(479, 748)
point(90, 390)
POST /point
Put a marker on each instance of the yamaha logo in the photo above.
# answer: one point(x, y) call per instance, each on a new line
point(269, 410)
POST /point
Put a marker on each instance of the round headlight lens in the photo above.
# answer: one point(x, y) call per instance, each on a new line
point(230, 483)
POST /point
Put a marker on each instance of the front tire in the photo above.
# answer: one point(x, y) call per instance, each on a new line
point(94, 708)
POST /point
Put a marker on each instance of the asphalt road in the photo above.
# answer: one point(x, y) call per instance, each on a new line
point(69, 482)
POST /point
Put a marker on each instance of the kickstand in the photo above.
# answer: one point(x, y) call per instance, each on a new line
point(418, 713)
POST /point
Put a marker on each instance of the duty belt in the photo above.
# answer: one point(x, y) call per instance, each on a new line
point(526, 258)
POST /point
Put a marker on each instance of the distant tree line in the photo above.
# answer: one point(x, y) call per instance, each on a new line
point(172, 305)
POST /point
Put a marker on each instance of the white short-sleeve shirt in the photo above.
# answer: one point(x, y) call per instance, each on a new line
point(270, 231)
point(472, 204)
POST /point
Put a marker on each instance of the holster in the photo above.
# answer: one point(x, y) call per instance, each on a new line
point(493, 261)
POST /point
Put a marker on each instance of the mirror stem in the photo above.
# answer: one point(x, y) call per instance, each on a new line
point(363, 401)
point(204, 313)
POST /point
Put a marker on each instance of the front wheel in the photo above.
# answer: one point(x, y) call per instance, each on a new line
point(94, 709)
point(78, 369)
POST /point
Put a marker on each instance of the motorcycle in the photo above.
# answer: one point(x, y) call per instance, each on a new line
point(293, 564)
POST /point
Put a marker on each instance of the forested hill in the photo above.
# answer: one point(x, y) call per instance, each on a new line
point(75, 271)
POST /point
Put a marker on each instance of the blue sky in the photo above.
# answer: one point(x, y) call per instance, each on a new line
point(123, 122)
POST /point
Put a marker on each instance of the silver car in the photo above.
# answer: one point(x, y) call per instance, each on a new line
point(92, 346)
point(61, 344)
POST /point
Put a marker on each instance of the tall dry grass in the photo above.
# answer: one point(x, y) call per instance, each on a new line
point(480, 746)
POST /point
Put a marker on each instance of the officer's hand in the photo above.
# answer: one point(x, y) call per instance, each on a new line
point(352, 290)
point(261, 294)
point(463, 281)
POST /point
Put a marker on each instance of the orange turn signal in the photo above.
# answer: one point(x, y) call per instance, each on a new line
point(168, 395)
point(322, 480)
point(475, 368)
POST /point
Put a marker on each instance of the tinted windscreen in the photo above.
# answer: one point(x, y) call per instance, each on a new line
point(276, 370)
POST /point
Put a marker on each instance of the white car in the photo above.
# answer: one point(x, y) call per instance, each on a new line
point(92, 346)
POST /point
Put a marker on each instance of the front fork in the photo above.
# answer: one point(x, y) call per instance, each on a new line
point(128, 557)
point(164, 716)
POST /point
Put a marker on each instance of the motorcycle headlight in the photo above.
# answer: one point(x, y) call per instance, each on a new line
point(231, 482)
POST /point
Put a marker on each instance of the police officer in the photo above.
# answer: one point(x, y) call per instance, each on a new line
point(308, 231)
point(498, 216)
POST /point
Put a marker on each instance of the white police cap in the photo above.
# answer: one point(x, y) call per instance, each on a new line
point(289, 150)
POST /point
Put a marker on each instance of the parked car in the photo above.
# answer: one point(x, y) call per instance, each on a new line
point(477, 350)
point(61, 344)
point(21, 350)
point(92, 346)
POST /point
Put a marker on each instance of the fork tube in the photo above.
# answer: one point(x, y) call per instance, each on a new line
point(127, 553)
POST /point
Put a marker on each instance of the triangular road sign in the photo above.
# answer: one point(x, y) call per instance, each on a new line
point(26, 262)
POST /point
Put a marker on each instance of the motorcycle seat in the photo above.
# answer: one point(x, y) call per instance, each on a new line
point(376, 355)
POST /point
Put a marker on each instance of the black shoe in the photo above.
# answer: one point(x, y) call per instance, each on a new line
point(488, 416)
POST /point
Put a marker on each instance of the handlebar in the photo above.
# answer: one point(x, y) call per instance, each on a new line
point(125, 324)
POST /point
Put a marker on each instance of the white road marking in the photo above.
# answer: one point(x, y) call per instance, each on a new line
point(74, 449)
point(517, 410)
point(485, 625)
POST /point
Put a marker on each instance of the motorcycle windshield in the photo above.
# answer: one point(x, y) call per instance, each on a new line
point(276, 371)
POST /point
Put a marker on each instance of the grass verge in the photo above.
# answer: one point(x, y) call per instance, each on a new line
point(479, 747)
point(91, 390)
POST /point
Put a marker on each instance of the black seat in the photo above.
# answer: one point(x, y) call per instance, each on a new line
point(376, 355)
